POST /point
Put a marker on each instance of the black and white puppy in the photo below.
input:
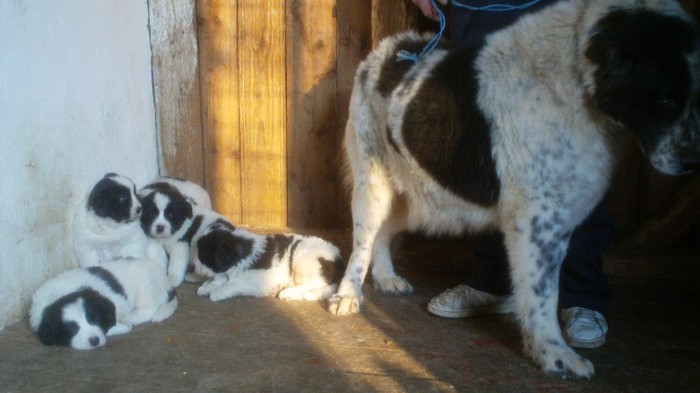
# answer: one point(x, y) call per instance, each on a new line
point(195, 194)
point(106, 224)
point(81, 307)
point(167, 206)
point(240, 262)
point(243, 263)
point(518, 136)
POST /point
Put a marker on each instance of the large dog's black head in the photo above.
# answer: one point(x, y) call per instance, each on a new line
point(647, 78)
point(114, 197)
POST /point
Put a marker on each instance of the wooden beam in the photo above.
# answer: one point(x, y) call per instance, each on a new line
point(219, 70)
point(312, 140)
point(354, 43)
point(176, 87)
point(261, 56)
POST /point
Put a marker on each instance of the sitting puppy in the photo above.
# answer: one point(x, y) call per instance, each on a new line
point(195, 194)
point(243, 263)
point(81, 307)
point(167, 214)
point(106, 225)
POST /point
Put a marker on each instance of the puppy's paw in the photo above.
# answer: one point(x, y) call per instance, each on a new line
point(340, 305)
point(175, 280)
point(394, 285)
point(216, 296)
point(119, 328)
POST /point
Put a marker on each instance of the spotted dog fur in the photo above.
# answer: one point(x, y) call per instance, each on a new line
point(517, 137)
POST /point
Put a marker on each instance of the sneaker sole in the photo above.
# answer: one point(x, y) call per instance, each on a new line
point(471, 312)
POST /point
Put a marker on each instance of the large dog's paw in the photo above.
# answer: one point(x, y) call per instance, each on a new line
point(394, 285)
point(344, 305)
point(564, 363)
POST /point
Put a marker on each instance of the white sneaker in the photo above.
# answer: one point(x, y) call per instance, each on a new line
point(583, 327)
point(464, 301)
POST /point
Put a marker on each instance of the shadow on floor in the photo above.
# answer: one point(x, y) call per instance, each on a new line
point(393, 345)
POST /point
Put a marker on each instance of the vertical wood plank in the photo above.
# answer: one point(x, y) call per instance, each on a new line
point(219, 71)
point(354, 43)
point(261, 55)
point(391, 17)
point(176, 87)
point(312, 140)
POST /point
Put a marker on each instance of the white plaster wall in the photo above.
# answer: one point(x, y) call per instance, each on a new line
point(75, 102)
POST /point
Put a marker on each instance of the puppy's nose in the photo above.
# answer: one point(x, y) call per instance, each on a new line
point(94, 341)
point(138, 210)
point(160, 228)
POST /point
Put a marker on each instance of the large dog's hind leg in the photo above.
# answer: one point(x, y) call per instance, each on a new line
point(371, 203)
point(385, 279)
point(372, 195)
point(536, 249)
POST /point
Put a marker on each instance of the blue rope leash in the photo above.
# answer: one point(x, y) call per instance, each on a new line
point(403, 55)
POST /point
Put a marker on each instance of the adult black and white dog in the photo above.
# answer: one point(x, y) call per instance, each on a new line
point(518, 137)
point(167, 206)
point(106, 223)
point(81, 307)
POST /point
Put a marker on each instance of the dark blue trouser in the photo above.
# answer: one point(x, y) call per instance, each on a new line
point(582, 281)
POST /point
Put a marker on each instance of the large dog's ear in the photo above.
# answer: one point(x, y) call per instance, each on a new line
point(624, 38)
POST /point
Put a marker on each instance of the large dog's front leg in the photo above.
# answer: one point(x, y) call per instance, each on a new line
point(536, 249)
point(371, 203)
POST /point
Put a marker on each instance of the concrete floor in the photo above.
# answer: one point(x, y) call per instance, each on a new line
point(393, 345)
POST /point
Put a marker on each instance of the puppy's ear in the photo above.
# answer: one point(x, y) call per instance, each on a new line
point(96, 199)
point(185, 208)
point(100, 311)
point(226, 255)
point(48, 331)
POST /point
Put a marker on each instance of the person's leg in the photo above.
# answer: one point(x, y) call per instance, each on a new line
point(584, 291)
point(486, 291)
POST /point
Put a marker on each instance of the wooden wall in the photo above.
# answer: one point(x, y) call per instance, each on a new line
point(252, 101)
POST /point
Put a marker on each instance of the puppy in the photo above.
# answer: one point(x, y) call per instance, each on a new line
point(106, 224)
point(166, 218)
point(243, 263)
point(80, 308)
point(518, 136)
point(195, 194)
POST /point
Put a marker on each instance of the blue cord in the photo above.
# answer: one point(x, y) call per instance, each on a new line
point(494, 6)
point(403, 55)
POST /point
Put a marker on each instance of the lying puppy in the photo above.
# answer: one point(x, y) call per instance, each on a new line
point(517, 136)
point(248, 263)
point(81, 307)
point(195, 194)
point(243, 263)
point(106, 224)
